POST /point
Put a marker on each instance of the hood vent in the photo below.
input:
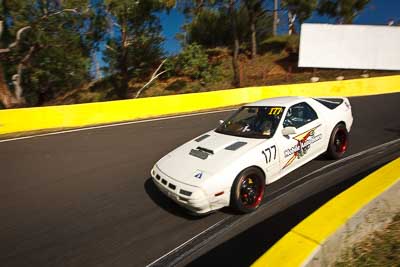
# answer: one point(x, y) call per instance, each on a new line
point(201, 152)
point(198, 154)
point(209, 151)
point(235, 146)
point(201, 138)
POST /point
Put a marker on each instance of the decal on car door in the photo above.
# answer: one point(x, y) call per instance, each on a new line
point(304, 142)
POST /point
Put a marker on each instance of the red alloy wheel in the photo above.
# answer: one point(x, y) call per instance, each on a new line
point(341, 141)
point(251, 191)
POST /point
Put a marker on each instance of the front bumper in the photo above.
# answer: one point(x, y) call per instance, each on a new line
point(197, 201)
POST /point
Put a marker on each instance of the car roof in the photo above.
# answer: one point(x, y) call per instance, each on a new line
point(285, 101)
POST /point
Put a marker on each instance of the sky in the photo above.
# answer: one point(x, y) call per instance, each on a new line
point(171, 24)
point(377, 12)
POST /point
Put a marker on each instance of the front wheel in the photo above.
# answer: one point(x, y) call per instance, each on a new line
point(248, 190)
point(338, 142)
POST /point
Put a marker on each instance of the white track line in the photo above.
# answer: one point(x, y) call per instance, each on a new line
point(115, 124)
point(337, 162)
point(301, 178)
point(178, 247)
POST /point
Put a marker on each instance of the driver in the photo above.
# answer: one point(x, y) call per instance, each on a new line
point(261, 123)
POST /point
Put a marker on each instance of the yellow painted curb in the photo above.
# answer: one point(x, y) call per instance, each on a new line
point(297, 246)
point(67, 116)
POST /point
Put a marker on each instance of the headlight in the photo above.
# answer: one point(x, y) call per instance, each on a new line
point(186, 193)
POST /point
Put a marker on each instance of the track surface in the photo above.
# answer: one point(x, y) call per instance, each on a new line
point(85, 198)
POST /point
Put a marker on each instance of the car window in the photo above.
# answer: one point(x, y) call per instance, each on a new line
point(299, 115)
point(253, 122)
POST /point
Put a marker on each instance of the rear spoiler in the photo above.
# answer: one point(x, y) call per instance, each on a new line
point(332, 103)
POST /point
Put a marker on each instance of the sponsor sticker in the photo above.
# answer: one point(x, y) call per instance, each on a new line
point(275, 111)
point(304, 142)
point(198, 174)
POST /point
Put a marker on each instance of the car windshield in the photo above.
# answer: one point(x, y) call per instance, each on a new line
point(253, 122)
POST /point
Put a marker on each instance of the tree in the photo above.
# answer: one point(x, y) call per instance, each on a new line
point(275, 22)
point(209, 28)
point(228, 7)
point(41, 45)
point(343, 10)
point(232, 7)
point(135, 47)
point(255, 11)
point(191, 62)
point(212, 28)
point(299, 10)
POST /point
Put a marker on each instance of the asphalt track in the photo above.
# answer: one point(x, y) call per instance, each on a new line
point(85, 198)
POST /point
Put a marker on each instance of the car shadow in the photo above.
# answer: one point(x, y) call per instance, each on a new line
point(396, 131)
point(322, 157)
point(166, 203)
point(173, 208)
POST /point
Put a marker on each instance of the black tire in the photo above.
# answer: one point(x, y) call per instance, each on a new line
point(338, 142)
point(248, 190)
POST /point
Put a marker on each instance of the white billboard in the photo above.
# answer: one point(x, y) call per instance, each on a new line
point(350, 46)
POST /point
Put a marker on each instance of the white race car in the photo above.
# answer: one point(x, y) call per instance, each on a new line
point(258, 144)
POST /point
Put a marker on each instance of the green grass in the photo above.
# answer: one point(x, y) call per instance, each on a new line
point(380, 250)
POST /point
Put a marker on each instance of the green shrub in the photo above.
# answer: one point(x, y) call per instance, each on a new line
point(293, 43)
point(176, 85)
point(191, 62)
point(280, 43)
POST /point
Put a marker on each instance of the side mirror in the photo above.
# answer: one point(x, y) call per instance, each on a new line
point(289, 130)
point(221, 121)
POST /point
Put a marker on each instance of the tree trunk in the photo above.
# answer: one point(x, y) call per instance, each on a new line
point(291, 23)
point(122, 90)
point(253, 31)
point(235, 58)
point(6, 97)
point(275, 22)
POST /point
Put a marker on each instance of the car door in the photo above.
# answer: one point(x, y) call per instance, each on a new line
point(305, 143)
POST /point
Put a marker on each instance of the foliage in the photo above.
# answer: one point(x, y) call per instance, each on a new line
point(229, 8)
point(255, 11)
point(54, 47)
point(191, 62)
point(303, 9)
point(277, 44)
point(135, 45)
point(343, 10)
point(293, 44)
point(209, 28)
point(54, 71)
point(212, 28)
point(54, 53)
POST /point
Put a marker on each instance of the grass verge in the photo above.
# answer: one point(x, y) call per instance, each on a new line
point(381, 249)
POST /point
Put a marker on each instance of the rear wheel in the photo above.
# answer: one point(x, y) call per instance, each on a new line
point(248, 190)
point(338, 143)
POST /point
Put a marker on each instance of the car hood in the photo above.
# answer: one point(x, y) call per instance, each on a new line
point(199, 159)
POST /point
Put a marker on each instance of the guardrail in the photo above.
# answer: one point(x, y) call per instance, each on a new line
point(306, 243)
point(80, 115)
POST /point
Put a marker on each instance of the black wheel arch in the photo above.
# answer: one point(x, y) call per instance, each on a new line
point(253, 167)
point(339, 123)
